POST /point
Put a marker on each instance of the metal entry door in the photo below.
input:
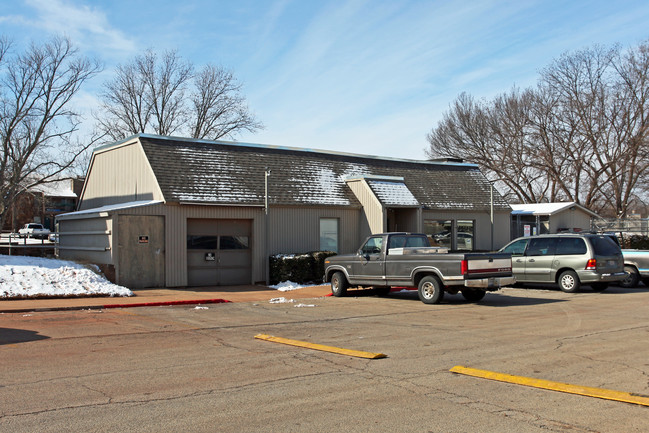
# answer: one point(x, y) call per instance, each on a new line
point(218, 252)
point(141, 259)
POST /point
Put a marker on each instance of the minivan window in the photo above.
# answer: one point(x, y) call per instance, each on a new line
point(541, 247)
point(604, 246)
point(571, 246)
point(516, 248)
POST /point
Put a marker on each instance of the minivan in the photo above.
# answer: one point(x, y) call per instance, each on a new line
point(568, 260)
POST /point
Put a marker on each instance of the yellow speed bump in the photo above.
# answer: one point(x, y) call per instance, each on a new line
point(356, 353)
point(606, 394)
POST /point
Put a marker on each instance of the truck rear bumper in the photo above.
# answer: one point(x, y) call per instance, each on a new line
point(490, 283)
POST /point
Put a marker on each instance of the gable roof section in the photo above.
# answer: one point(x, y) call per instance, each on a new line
point(216, 172)
point(548, 208)
point(391, 191)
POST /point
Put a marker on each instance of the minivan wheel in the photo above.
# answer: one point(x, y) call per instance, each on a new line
point(569, 282)
point(339, 284)
point(631, 279)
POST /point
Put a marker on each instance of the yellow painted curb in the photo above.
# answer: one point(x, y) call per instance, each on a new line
point(606, 394)
point(356, 353)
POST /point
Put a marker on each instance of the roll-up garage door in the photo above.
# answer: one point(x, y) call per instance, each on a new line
point(218, 252)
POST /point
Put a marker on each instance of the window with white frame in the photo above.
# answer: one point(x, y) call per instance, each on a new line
point(329, 234)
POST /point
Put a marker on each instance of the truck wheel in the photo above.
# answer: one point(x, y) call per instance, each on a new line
point(473, 295)
point(430, 290)
point(632, 278)
point(569, 282)
point(339, 284)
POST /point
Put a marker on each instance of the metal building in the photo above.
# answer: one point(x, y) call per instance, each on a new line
point(165, 211)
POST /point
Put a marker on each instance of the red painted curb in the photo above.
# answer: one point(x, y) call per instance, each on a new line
point(159, 304)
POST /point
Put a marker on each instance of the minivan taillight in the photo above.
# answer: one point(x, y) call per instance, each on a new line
point(591, 265)
point(464, 267)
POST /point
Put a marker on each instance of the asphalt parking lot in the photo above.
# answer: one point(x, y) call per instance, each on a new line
point(199, 368)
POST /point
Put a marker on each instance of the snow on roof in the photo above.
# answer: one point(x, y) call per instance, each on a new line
point(107, 208)
point(59, 188)
point(393, 193)
point(547, 208)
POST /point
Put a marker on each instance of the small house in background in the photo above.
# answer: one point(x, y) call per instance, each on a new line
point(540, 218)
point(42, 203)
point(166, 211)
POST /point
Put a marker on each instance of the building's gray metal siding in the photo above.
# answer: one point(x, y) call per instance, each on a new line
point(297, 229)
point(90, 240)
point(176, 235)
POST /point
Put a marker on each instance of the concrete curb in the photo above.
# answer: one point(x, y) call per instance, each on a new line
point(107, 306)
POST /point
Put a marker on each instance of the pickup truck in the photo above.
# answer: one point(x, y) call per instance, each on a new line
point(407, 260)
point(636, 266)
point(33, 230)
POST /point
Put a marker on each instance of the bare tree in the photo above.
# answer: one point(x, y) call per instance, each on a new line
point(165, 96)
point(37, 123)
point(580, 135)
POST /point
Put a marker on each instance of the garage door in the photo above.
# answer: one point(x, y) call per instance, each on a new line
point(218, 252)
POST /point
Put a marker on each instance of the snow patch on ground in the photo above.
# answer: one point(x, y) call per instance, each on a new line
point(287, 286)
point(33, 277)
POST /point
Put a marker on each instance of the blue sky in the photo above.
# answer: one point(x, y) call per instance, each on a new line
point(370, 77)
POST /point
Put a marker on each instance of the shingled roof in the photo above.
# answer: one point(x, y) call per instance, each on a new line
point(217, 172)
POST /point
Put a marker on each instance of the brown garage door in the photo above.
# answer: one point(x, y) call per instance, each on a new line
point(218, 252)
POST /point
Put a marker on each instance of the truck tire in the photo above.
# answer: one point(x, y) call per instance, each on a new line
point(632, 278)
point(473, 295)
point(430, 290)
point(569, 282)
point(339, 284)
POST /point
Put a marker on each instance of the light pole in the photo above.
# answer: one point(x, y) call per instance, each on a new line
point(266, 225)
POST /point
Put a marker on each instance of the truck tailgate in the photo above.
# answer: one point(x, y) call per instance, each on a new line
point(487, 265)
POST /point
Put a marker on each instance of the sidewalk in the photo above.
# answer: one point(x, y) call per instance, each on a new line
point(155, 297)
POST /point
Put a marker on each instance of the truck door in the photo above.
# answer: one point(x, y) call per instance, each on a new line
point(369, 266)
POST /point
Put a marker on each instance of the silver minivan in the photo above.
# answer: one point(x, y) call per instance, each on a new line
point(568, 260)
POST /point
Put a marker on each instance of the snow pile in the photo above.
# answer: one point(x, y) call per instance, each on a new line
point(31, 277)
point(287, 286)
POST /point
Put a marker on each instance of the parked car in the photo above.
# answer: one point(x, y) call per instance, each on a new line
point(568, 260)
point(33, 230)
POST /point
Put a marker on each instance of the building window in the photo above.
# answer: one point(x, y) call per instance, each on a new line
point(439, 232)
point(197, 242)
point(329, 234)
point(234, 243)
point(465, 235)
point(451, 234)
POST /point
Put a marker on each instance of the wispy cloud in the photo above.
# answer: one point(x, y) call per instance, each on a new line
point(86, 26)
